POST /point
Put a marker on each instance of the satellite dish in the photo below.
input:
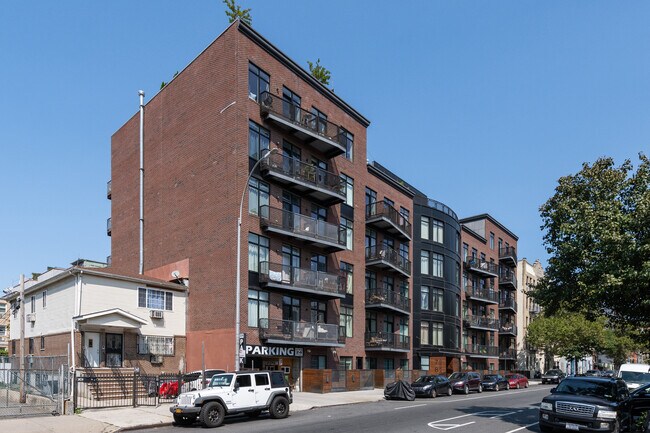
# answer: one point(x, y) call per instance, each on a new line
point(176, 274)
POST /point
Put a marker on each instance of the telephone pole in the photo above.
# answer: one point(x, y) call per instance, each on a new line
point(23, 394)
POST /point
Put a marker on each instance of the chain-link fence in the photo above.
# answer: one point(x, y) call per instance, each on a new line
point(45, 382)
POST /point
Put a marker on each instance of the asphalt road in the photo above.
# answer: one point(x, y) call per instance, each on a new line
point(489, 412)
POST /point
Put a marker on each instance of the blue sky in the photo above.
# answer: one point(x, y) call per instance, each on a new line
point(481, 105)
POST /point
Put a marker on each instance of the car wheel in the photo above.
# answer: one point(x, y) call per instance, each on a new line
point(450, 391)
point(433, 393)
point(617, 426)
point(517, 385)
point(507, 386)
point(480, 388)
point(466, 389)
point(212, 414)
point(254, 414)
point(279, 408)
point(526, 385)
point(184, 419)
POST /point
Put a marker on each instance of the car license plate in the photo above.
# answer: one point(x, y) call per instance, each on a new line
point(181, 411)
point(570, 426)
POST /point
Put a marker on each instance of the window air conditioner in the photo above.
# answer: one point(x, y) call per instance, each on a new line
point(156, 314)
point(156, 359)
point(31, 317)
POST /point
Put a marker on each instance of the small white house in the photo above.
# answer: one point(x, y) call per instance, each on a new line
point(102, 319)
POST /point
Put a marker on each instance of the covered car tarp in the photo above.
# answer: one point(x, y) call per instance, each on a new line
point(399, 390)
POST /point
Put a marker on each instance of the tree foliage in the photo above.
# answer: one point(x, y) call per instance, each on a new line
point(234, 11)
point(571, 335)
point(619, 346)
point(597, 232)
point(321, 73)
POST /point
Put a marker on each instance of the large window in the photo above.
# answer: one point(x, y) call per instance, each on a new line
point(437, 231)
point(319, 362)
point(425, 293)
point(258, 140)
point(258, 251)
point(424, 333)
point(424, 262)
point(347, 139)
point(348, 185)
point(424, 227)
point(348, 227)
point(438, 298)
point(291, 104)
point(491, 240)
point(258, 307)
point(318, 312)
point(438, 265)
point(348, 274)
point(258, 195)
point(44, 299)
point(155, 299)
point(436, 334)
point(346, 320)
point(258, 82)
point(155, 345)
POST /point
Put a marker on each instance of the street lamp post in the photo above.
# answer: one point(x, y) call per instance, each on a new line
point(238, 284)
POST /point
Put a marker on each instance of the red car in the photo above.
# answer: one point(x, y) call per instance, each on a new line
point(517, 381)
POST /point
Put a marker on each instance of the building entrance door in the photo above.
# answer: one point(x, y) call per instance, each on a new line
point(91, 349)
point(114, 350)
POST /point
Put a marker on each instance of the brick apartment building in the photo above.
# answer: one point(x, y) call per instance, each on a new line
point(326, 260)
point(489, 281)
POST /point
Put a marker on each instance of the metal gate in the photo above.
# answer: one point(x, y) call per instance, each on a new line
point(115, 389)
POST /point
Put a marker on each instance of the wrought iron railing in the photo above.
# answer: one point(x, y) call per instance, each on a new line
point(318, 281)
point(387, 340)
point(389, 255)
point(507, 277)
point(508, 328)
point(384, 210)
point(302, 225)
point(303, 172)
point(299, 332)
point(508, 303)
point(474, 263)
point(482, 293)
point(482, 322)
point(508, 253)
point(481, 349)
point(388, 297)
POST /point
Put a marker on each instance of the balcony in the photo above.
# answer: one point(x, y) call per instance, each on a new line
point(534, 309)
point(385, 217)
point(108, 189)
point(484, 323)
point(318, 233)
point(109, 226)
point(508, 329)
point(482, 295)
point(508, 256)
point(508, 304)
point(387, 342)
point(385, 298)
point(481, 267)
point(383, 257)
point(292, 279)
point(279, 331)
point(508, 354)
point(321, 134)
point(481, 351)
point(304, 178)
point(507, 279)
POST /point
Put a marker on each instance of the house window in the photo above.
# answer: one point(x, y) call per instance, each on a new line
point(348, 274)
point(346, 362)
point(155, 345)
point(155, 299)
point(424, 262)
point(438, 298)
point(438, 230)
point(436, 334)
point(346, 320)
point(389, 364)
point(3, 330)
point(258, 140)
point(347, 140)
point(291, 104)
point(424, 227)
point(438, 264)
point(258, 82)
point(320, 121)
point(42, 342)
point(31, 346)
point(424, 333)
point(404, 250)
point(348, 185)
point(33, 303)
point(405, 213)
point(44, 299)
point(371, 280)
point(318, 362)
point(258, 251)
point(347, 226)
point(465, 252)
point(258, 195)
point(491, 240)
point(258, 308)
point(371, 200)
point(371, 321)
point(425, 293)
point(424, 363)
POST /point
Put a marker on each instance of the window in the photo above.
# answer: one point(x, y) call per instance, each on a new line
point(425, 293)
point(261, 379)
point(320, 121)
point(291, 104)
point(491, 240)
point(347, 226)
point(405, 213)
point(348, 274)
point(371, 200)
point(424, 363)
point(258, 308)
point(258, 195)
point(243, 381)
point(348, 185)
point(346, 362)
point(347, 140)
point(258, 140)
point(436, 334)
point(3, 307)
point(404, 250)
point(258, 251)
point(371, 321)
point(42, 342)
point(465, 252)
point(44, 299)
point(155, 299)
point(389, 202)
point(318, 213)
point(3, 330)
point(424, 227)
point(319, 362)
point(438, 230)
point(424, 262)
point(31, 345)
point(371, 280)
point(346, 320)
point(318, 312)
point(424, 333)
point(290, 308)
point(438, 298)
point(389, 364)
point(155, 345)
point(438, 265)
point(258, 82)
point(33, 303)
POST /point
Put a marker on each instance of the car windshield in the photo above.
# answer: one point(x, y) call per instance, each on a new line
point(424, 379)
point(635, 376)
point(489, 377)
point(457, 376)
point(604, 390)
point(553, 372)
point(221, 380)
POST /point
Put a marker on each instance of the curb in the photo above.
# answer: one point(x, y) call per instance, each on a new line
point(145, 426)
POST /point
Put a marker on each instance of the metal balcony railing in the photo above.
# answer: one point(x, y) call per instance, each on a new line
point(534, 309)
point(109, 226)
point(507, 278)
point(483, 267)
point(508, 328)
point(482, 322)
point(302, 227)
point(387, 297)
point(381, 254)
point(386, 216)
point(508, 255)
point(479, 294)
point(482, 350)
point(108, 189)
point(508, 354)
point(302, 280)
point(292, 331)
point(387, 341)
point(508, 303)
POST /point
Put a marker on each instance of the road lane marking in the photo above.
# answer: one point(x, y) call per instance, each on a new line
point(448, 426)
point(409, 407)
point(521, 428)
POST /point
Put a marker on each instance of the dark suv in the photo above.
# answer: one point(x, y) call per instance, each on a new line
point(466, 381)
point(594, 404)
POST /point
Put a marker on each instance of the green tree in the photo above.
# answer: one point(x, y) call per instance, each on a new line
point(321, 73)
point(234, 11)
point(619, 346)
point(597, 232)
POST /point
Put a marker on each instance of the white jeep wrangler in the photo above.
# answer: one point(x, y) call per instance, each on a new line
point(249, 392)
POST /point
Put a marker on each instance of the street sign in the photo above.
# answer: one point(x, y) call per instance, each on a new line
point(242, 348)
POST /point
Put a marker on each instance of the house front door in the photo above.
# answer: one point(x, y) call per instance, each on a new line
point(114, 350)
point(91, 349)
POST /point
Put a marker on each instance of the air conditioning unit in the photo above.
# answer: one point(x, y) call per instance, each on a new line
point(31, 317)
point(156, 359)
point(156, 314)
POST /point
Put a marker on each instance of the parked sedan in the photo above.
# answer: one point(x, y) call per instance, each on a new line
point(431, 386)
point(593, 373)
point(494, 382)
point(517, 380)
point(465, 382)
point(553, 376)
